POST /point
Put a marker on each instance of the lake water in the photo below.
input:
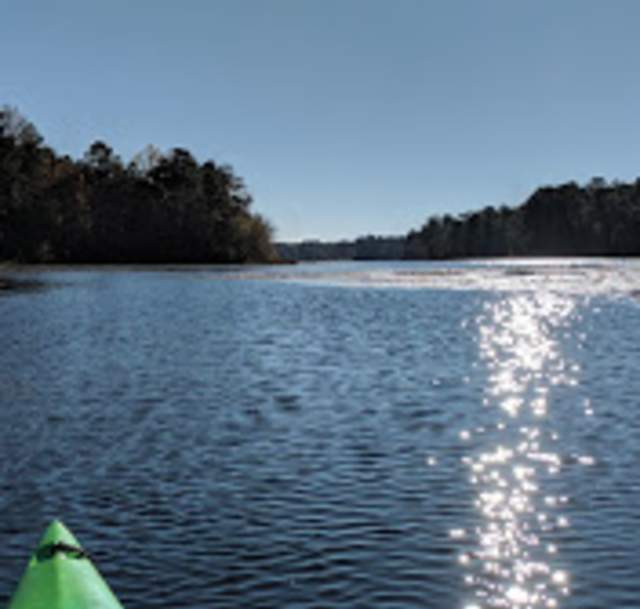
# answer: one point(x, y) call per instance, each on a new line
point(399, 435)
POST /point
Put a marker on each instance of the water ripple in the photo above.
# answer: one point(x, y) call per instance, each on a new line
point(229, 443)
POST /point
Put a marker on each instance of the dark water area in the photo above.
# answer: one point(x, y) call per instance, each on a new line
point(228, 440)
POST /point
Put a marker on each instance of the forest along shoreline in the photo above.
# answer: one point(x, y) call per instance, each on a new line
point(159, 208)
point(168, 208)
point(598, 219)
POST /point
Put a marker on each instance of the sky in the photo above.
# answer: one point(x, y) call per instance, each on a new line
point(344, 117)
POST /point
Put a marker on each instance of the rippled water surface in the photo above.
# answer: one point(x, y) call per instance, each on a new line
point(362, 436)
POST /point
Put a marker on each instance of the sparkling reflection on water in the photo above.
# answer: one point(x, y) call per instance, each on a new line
point(511, 558)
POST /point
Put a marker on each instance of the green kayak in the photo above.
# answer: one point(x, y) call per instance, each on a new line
point(60, 575)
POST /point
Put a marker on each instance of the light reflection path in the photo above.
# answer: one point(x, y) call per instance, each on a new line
point(510, 560)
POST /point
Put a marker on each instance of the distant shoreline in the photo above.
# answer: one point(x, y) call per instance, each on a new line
point(10, 267)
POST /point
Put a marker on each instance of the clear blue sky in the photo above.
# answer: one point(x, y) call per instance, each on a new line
point(345, 117)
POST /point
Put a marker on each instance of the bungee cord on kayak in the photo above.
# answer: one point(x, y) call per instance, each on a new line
point(48, 551)
point(60, 575)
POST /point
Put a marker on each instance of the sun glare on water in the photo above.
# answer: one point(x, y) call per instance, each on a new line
point(510, 560)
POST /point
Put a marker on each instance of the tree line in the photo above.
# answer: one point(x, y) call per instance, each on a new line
point(370, 247)
point(158, 208)
point(597, 219)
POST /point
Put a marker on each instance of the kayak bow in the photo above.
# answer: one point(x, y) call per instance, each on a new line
point(60, 575)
